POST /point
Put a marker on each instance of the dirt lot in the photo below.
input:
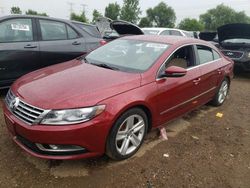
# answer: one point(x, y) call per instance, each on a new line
point(202, 151)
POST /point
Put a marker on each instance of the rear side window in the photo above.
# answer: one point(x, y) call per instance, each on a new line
point(166, 32)
point(16, 30)
point(205, 54)
point(91, 30)
point(176, 33)
point(52, 30)
point(216, 55)
point(71, 33)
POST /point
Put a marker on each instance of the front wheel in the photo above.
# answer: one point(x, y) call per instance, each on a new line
point(127, 134)
point(221, 94)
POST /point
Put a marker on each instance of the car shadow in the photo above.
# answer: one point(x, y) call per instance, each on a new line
point(240, 74)
point(3, 93)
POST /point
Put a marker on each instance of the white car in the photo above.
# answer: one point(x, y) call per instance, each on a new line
point(167, 31)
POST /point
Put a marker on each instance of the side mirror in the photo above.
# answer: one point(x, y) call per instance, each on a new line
point(174, 71)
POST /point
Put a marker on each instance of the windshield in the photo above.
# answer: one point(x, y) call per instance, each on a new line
point(237, 41)
point(127, 55)
point(151, 32)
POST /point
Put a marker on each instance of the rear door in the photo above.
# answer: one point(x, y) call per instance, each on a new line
point(19, 49)
point(91, 35)
point(209, 61)
point(59, 42)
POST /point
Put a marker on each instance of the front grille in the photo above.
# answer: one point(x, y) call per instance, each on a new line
point(23, 111)
point(233, 54)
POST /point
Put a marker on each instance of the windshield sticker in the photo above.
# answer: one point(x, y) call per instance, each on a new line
point(20, 27)
point(157, 46)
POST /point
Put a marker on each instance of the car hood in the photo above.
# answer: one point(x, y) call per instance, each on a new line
point(125, 28)
point(72, 85)
point(232, 31)
point(207, 36)
point(121, 27)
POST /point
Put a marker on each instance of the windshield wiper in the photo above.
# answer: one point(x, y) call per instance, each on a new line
point(105, 66)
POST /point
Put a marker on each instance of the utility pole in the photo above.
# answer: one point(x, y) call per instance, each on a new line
point(2, 10)
point(84, 7)
point(71, 7)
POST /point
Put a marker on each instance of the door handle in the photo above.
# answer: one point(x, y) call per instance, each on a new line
point(76, 43)
point(30, 46)
point(196, 81)
point(219, 71)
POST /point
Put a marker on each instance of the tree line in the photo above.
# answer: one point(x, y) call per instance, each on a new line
point(161, 15)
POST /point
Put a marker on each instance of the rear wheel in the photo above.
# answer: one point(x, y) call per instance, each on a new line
point(221, 94)
point(127, 134)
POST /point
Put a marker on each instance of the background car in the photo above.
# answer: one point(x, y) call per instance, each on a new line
point(167, 31)
point(28, 43)
point(234, 42)
point(118, 28)
point(107, 101)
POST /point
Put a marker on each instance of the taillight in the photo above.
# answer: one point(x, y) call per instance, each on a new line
point(103, 42)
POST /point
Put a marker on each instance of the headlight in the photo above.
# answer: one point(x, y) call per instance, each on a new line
point(72, 116)
point(248, 55)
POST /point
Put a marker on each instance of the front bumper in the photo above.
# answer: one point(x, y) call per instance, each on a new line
point(89, 135)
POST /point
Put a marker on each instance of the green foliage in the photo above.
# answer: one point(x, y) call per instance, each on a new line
point(112, 11)
point(191, 25)
point(222, 15)
point(15, 10)
point(162, 15)
point(145, 22)
point(33, 12)
point(130, 11)
point(79, 17)
point(96, 15)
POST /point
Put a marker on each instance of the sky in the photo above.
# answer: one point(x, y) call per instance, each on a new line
point(61, 8)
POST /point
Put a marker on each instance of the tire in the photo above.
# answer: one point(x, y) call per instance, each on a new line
point(221, 94)
point(127, 134)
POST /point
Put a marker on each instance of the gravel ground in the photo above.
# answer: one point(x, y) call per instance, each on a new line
point(202, 151)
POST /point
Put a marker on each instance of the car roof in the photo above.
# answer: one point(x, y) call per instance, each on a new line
point(43, 17)
point(168, 39)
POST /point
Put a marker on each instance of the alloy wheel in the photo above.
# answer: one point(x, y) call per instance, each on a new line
point(130, 134)
point(223, 92)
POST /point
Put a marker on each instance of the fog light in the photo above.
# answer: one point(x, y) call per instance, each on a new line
point(59, 148)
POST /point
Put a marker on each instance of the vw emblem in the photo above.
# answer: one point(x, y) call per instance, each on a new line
point(14, 104)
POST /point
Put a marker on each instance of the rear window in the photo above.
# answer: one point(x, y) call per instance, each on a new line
point(175, 33)
point(205, 54)
point(92, 30)
point(53, 30)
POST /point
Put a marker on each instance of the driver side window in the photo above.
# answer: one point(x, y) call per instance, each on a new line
point(183, 57)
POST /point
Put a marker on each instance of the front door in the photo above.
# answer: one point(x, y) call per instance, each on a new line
point(19, 52)
point(179, 95)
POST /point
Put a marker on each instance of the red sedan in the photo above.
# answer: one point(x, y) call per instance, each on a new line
point(108, 100)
